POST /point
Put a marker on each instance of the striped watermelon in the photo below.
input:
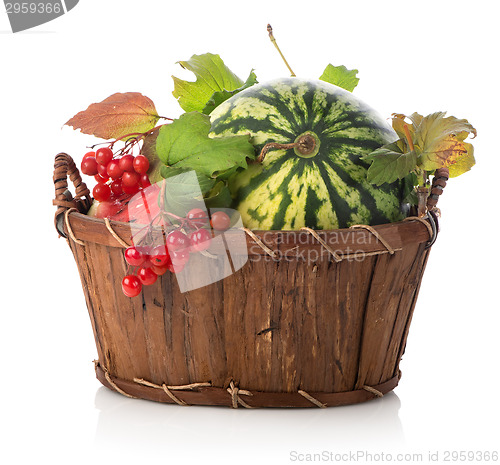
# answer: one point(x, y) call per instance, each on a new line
point(322, 188)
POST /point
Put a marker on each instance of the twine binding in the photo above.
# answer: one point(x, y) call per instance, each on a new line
point(68, 226)
point(263, 246)
point(114, 234)
point(312, 399)
point(424, 222)
point(374, 391)
point(111, 382)
point(376, 234)
point(313, 233)
point(235, 392)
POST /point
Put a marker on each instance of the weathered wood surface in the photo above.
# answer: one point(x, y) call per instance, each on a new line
point(273, 326)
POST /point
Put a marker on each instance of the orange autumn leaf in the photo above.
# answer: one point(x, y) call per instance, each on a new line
point(118, 115)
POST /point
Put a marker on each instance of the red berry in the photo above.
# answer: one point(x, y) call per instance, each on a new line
point(88, 154)
point(103, 171)
point(131, 190)
point(104, 155)
point(130, 179)
point(116, 187)
point(159, 256)
point(220, 221)
point(200, 240)
point(127, 163)
point(100, 179)
point(180, 257)
point(114, 170)
point(101, 192)
point(197, 217)
point(144, 181)
point(89, 166)
point(177, 240)
point(134, 257)
point(160, 270)
point(131, 285)
point(141, 164)
point(147, 276)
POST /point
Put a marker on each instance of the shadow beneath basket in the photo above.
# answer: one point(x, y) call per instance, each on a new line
point(141, 427)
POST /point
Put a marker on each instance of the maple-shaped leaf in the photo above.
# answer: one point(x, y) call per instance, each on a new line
point(185, 144)
point(440, 140)
point(399, 124)
point(212, 75)
point(340, 76)
point(464, 163)
point(390, 163)
point(118, 115)
point(221, 96)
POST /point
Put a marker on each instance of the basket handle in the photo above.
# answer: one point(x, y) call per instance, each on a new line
point(65, 167)
point(441, 175)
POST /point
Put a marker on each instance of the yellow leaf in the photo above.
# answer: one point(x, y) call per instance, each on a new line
point(464, 163)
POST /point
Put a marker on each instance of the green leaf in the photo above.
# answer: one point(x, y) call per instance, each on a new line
point(340, 76)
point(441, 140)
point(219, 196)
point(181, 193)
point(205, 183)
point(221, 96)
point(185, 144)
point(212, 75)
point(389, 163)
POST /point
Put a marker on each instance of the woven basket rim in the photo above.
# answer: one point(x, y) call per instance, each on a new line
point(384, 238)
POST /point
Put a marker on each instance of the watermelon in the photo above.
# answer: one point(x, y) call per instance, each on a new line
point(320, 184)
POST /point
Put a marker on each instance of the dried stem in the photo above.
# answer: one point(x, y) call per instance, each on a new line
point(408, 137)
point(273, 40)
point(274, 145)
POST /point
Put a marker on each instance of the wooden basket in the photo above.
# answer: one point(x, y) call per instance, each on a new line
point(277, 333)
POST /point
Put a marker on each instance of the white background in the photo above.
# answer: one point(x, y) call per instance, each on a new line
point(412, 56)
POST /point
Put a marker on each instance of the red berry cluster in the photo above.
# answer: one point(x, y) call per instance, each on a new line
point(115, 175)
point(190, 236)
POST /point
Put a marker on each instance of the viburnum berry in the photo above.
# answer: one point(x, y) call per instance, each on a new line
point(160, 270)
point(131, 190)
point(177, 240)
point(127, 163)
point(131, 285)
point(88, 154)
point(159, 256)
point(180, 257)
point(116, 187)
point(144, 181)
point(176, 268)
point(100, 179)
point(130, 179)
point(134, 257)
point(200, 240)
point(147, 276)
point(220, 221)
point(141, 164)
point(101, 192)
point(103, 171)
point(113, 169)
point(89, 166)
point(197, 217)
point(103, 155)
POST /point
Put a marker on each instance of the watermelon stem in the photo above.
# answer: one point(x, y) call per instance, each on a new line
point(304, 145)
point(273, 40)
point(274, 145)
